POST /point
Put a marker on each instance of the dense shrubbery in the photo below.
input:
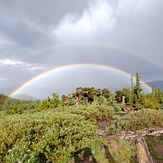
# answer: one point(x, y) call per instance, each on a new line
point(121, 151)
point(13, 106)
point(138, 120)
point(3, 98)
point(93, 113)
point(56, 135)
point(46, 136)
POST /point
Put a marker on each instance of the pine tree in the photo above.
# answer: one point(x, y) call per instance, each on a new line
point(131, 98)
point(138, 88)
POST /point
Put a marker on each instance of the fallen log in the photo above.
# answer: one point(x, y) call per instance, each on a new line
point(127, 135)
point(143, 154)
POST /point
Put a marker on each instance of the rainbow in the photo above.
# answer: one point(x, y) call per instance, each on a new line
point(94, 45)
point(73, 66)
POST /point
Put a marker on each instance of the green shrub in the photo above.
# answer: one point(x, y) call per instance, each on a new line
point(154, 141)
point(93, 112)
point(44, 136)
point(111, 151)
point(121, 151)
point(137, 120)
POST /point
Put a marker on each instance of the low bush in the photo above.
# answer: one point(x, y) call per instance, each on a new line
point(121, 151)
point(137, 120)
point(91, 112)
point(110, 151)
point(44, 136)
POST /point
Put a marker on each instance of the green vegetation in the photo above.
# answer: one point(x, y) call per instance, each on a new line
point(3, 98)
point(137, 120)
point(155, 145)
point(121, 151)
point(44, 135)
point(66, 129)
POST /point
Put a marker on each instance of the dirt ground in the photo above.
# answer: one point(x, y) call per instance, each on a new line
point(158, 149)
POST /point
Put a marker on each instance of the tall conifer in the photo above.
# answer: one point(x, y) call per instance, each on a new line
point(131, 101)
point(138, 88)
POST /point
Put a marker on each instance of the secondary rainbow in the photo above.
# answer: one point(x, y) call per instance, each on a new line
point(74, 66)
point(94, 45)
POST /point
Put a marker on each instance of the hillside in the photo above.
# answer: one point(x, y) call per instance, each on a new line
point(24, 97)
point(157, 84)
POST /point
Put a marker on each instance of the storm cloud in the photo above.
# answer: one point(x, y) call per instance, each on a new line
point(36, 36)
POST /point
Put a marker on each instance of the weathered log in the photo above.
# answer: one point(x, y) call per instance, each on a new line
point(143, 154)
point(127, 135)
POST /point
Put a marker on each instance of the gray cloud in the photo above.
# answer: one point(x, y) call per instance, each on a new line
point(36, 36)
point(15, 72)
point(136, 25)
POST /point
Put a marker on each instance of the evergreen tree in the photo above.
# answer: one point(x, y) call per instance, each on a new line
point(138, 89)
point(131, 97)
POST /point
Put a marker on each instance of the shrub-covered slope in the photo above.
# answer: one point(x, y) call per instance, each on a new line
point(47, 136)
point(137, 120)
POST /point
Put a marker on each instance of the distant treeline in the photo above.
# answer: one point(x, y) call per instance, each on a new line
point(133, 97)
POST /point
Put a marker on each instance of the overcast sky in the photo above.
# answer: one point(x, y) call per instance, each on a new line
point(39, 35)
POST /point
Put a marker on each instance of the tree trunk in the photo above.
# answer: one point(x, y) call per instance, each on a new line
point(123, 100)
